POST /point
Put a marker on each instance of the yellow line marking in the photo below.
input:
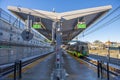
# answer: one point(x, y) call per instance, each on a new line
point(78, 59)
point(29, 66)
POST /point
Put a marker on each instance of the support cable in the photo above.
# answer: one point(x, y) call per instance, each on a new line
point(104, 18)
point(105, 24)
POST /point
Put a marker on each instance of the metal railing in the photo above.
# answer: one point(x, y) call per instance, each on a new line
point(18, 65)
point(10, 19)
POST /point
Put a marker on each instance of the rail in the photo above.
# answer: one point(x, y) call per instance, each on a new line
point(104, 68)
point(114, 61)
point(10, 19)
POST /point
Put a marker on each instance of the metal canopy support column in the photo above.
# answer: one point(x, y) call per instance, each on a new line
point(58, 44)
point(59, 73)
point(53, 31)
point(29, 22)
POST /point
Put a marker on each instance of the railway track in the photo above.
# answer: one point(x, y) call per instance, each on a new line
point(113, 70)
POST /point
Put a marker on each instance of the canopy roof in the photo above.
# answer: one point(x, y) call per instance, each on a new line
point(69, 19)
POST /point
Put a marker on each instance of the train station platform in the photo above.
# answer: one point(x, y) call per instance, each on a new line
point(42, 69)
point(22, 41)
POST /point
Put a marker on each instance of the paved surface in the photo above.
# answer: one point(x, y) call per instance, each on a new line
point(77, 69)
point(41, 71)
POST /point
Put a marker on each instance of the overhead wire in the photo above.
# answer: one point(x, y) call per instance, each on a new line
point(105, 24)
point(104, 18)
point(101, 21)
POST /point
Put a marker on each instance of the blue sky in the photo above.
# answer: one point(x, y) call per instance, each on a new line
point(110, 32)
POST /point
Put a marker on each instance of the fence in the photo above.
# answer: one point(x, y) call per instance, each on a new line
point(10, 19)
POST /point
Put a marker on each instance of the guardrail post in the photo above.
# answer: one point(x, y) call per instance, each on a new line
point(20, 69)
point(15, 65)
point(0, 74)
point(101, 69)
point(98, 68)
point(119, 50)
point(108, 57)
point(107, 70)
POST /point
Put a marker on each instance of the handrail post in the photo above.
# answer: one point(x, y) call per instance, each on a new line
point(20, 69)
point(98, 68)
point(119, 50)
point(0, 73)
point(101, 70)
point(108, 63)
point(15, 65)
point(107, 70)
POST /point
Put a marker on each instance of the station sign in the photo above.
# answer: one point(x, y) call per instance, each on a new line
point(36, 26)
point(81, 25)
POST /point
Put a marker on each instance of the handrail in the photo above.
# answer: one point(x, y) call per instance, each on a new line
point(8, 69)
point(10, 19)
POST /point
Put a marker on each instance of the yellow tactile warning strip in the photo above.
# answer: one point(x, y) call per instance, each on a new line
point(29, 66)
point(86, 63)
point(79, 60)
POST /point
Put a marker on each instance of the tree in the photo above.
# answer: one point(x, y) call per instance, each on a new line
point(97, 41)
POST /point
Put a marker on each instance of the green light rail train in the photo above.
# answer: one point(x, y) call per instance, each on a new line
point(79, 49)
